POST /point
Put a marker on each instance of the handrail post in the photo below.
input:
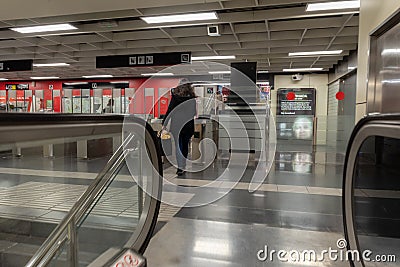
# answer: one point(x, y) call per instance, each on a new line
point(73, 244)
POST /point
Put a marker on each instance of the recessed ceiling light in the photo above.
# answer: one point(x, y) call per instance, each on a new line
point(45, 78)
point(316, 53)
point(333, 5)
point(45, 28)
point(262, 71)
point(76, 83)
point(98, 76)
point(158, 74)
point(220, 72)
point(51, 65)
point(119, 82)
point(303, 69)
point(182, 17)
point(213, 58)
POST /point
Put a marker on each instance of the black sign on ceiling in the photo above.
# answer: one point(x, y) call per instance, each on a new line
point(144, 60)
point(16, 65)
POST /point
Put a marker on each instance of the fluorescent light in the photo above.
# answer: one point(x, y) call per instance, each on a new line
point(213, 57)
point(390, 51)
point(158, 74)
point(262, 71)
point(303, 69)
point(98, 76)
point(45, 78)
point(333, 5)
point(51, 65)
point(76, 83)
point(45, 28)
point(3, 79)
point(182, 17)
point(316, 53)
point(120, 82)
point(220, 72)
point(393, 81)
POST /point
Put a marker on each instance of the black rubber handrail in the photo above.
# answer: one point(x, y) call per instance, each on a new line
point(380, 121)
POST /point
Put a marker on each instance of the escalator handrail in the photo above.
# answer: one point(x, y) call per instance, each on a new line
point(77, 210)
point(84, 203)
point(374, 125)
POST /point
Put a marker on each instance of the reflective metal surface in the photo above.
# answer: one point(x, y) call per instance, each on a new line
point(384, 68)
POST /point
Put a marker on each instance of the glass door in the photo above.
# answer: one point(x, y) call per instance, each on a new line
point(129, 100)
point(163, 101)
point(149, 101)
point(38, 100)
point(67, 101)
point(3, 100)
point(56, 100)
point(76, 101)
point(12, 100)
point(86, 101)
point(117, 108)
point(28, 100)
point(97, 103)
point(107, 101)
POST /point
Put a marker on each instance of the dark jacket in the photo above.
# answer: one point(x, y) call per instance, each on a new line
point(181, 111)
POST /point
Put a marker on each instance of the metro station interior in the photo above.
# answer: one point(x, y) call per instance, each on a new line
point(200, 133)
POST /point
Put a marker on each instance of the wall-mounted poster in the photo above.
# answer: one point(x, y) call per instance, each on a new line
point(302, 104)
point(295, 113)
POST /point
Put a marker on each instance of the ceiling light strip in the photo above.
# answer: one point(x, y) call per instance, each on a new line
point(220, 72)
point(316, 53)
point(333, 5)
point(158, 74)
point(52, 65)
point(98, 76)
point(45, 28)
point(213, 58)
point(181, 18)
point(303, 69)
point(45, 78)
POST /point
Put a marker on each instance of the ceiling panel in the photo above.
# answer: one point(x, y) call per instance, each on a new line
point(258, 30)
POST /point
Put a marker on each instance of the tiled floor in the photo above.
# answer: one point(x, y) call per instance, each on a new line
point(290, 210)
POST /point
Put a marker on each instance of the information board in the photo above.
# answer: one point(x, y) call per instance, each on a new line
point(303, 102)
point(296, 113)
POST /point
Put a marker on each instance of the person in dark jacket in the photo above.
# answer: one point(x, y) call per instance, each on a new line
point(181, 112)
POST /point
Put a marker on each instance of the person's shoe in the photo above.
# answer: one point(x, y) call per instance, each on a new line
point(180, 172)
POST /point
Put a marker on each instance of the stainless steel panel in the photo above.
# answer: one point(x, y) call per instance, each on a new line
point(384, 68)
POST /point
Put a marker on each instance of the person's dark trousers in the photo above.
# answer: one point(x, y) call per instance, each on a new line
point(182, 149)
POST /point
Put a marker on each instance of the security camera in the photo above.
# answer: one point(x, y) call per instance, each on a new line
point(213, 30)
point(297, 77)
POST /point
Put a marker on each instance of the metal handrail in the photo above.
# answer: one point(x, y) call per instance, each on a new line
point(43, 255)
